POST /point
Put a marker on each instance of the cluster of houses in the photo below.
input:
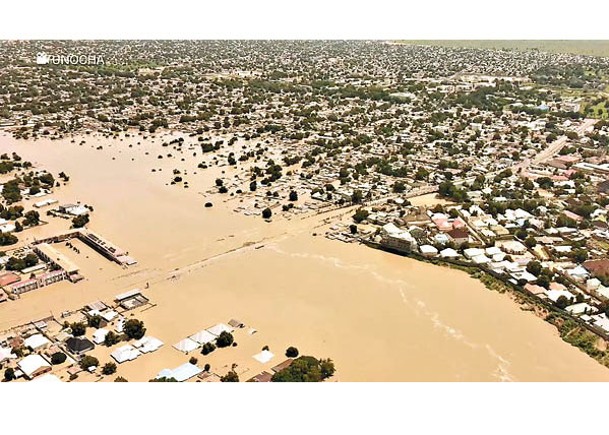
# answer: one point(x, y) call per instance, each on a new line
point(506, 244)
point(32, 349)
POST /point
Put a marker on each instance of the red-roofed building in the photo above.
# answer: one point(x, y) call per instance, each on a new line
point(459, 223)
point(534, 289)
point(459, 236)
point(9, 278)
point(597, 267)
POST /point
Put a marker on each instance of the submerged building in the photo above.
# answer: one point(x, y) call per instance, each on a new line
point(397, 239)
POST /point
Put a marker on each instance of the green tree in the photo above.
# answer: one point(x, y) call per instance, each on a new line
point(360, 215)
point(291, 352)
point(95, 321)
point(80, 221)
point(231, 376)
point(305, 369)
point(32, 218)
point(267, 213)
point(580, 255)
point(562, 302)
point(543, 281)
point(78, 329)
point(111, 339)
point(163, 379)
point(398, 187)
point(530, 242)
point(134, 329)
point(208, 348)
point(11, 191)
point(47, 179)
point(120, 379)
point(15, 263)
point(293, 196)
point(7, 239)
point(521, 234)
point(9, 374)
point(534, 267)
point(225, 339)
point(58, 358)
point(545, 182)
point(327, 368)
point(109, 368)
point(30, 260)
point(421, 173)
point(88, 361)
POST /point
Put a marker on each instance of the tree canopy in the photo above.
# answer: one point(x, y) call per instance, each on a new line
point(134, 328)
point(225, 339)
point(78, 329)
point(58, 358)
point(291, 352)
point(306, 369)
point(231, 376)
point(88, 361)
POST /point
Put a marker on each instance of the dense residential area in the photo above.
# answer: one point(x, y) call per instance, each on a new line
point(492, 162)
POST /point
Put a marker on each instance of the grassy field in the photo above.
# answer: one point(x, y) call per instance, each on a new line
point(592, 48)
point(600, 110)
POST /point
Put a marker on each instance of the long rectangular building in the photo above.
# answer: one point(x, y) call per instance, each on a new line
point(94, 241)
point(52, 255)
point(38, 282)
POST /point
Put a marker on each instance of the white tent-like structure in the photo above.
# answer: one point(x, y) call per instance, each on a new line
point(125, 353)
point(203, 337)
point(219, 328)
point(181, 373)
point(148, 344)
point(264, 356)
point(186, 345)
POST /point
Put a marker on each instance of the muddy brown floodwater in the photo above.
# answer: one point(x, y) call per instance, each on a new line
point(380, 317)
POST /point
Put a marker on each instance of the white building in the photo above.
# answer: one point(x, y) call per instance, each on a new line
point(125, 353)
point(398, 239)
point(100, 335)
point(37, 341)
point(33, 365)
point(148, 344)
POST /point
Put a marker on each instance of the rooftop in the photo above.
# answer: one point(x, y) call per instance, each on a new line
point(57, 257)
